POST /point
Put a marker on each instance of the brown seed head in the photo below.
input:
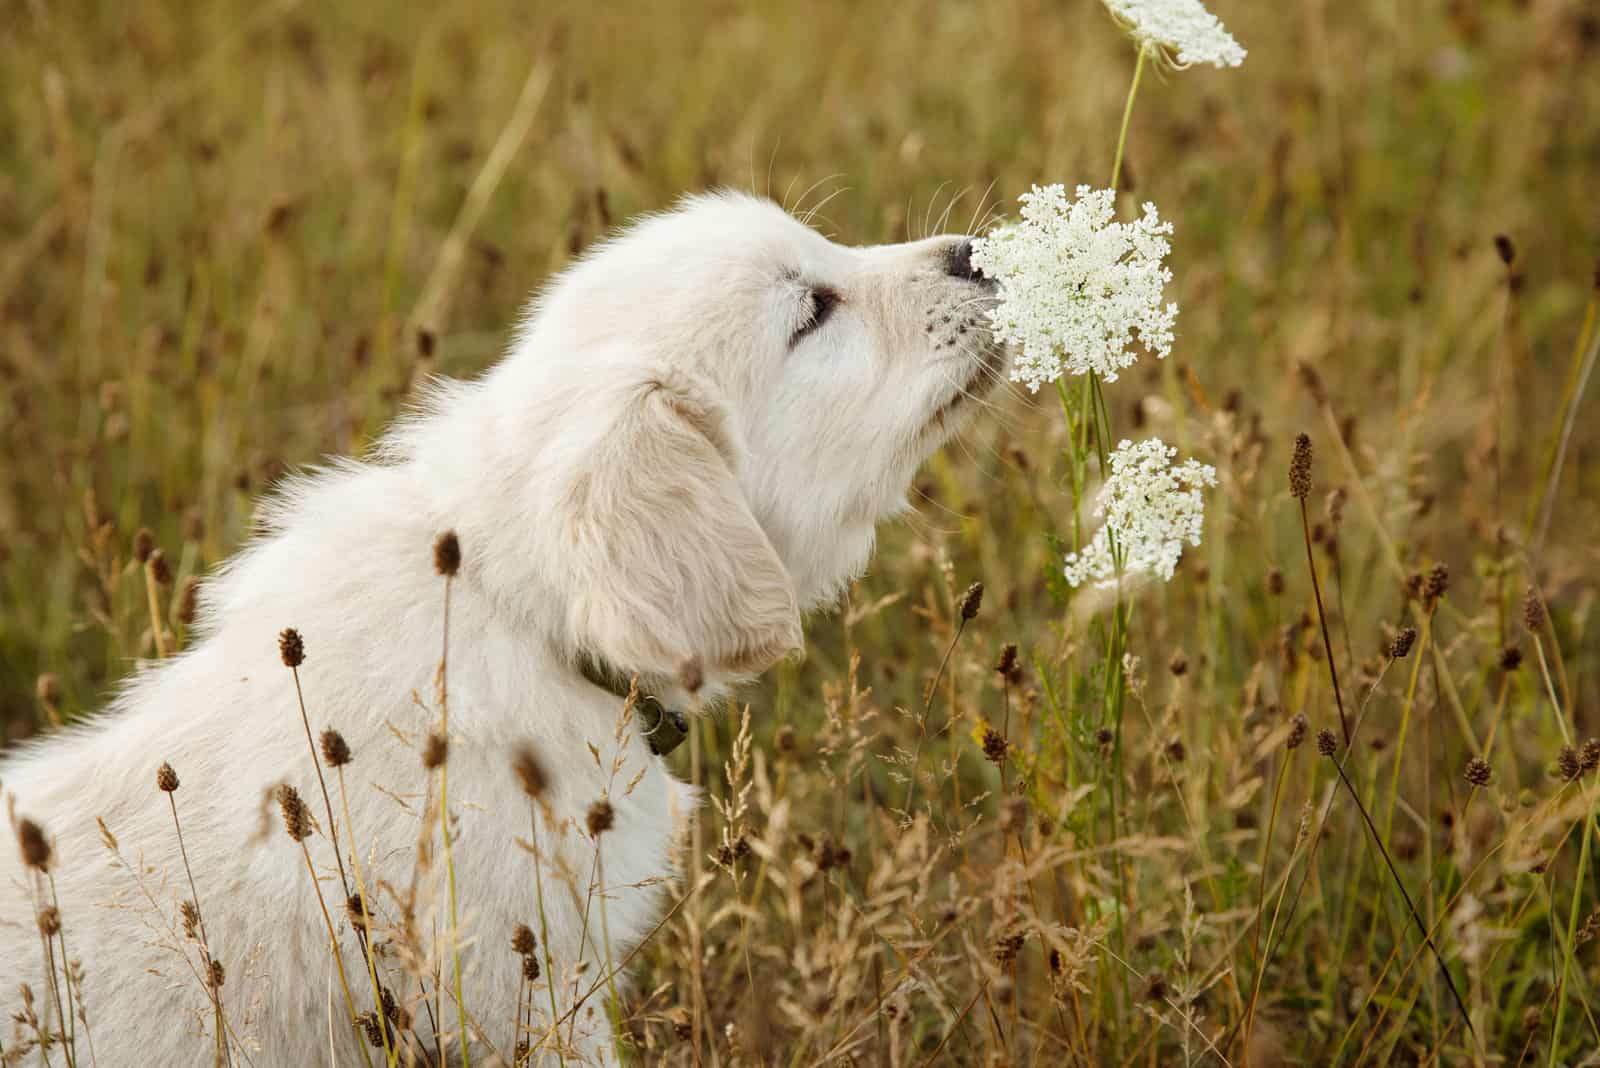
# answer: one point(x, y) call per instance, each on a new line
point(372, 1028)
point(530, 968)
point(166, 779)
point(1533, 613)
point(1007, 663)
point(36, 851)
point(1436, 584)
point(1178, 664)
point(49, 921)
point(160, 569)
point(1275, 583)
point(1568, 763)
point(188, 601)
point(144, 543)
point(785, 740)
point(1510, 657)
point(296, 820)
point(352, 912)
point(191, 919)
point(1506, 250)
point(1297, 730)
point(218, 975)
point(425, 344)
point(335, 750)
point(1589, 755)
point(435, 751)
point(1300, 467)
point(600, 819)
point(1327, 744)
point(1478, 772)
point(995, 746)
point(1400, 647)
point(292, 648)
point(529, 770)
point(523, 941)
point(447, 554)
point(970, 601)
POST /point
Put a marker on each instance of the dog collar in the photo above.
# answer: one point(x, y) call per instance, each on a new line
point(664, 728)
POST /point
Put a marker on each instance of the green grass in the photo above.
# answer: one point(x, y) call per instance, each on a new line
point(218, 225)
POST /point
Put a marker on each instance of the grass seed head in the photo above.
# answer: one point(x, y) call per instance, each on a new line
point(1589, 755)
point(1297, 730)
point(1300, 467)
point(160, 568)
point(971, 601)
point(190, 912)
point(292, 648)
point(144, 543)
point(296, 820)
point(1510, 657)
point(1533, 613)
point(218, 975)
point(1400, 647)
point(995, 746)
point(1436, 585)
point(1478, 772)
point(1327, 744)
point(1505, 249)
point(601, 818)
point(188, 601)
point(435, 751)
point(1569, 764)
point(335, 750)
point(353, 906)
point(35, 847)
point(523, 940)
point(447, 554)
point(530, 968)
point(49, 921)
point(166, 779)
point(529, 770)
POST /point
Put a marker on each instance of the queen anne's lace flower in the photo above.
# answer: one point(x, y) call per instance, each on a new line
point(1183, 30)
point(1150, 507)
point(1076, 285)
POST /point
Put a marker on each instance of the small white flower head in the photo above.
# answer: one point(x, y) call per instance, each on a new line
point(1150, 507)
point(1076, 286)
point(1181, 31)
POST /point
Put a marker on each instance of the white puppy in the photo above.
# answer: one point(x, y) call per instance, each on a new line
point(688, 447)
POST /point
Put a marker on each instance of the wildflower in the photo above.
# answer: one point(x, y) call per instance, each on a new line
point(1181, 31)
point(1151, 508)
point(1076, 286)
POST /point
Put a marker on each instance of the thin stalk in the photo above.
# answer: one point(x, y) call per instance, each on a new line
point(205, 940)
point(444, 828)
point(338, 958)
point(327, 805)
point(1322, 620)
point(1127, 114)
point(544, 938)
point(154, 604)
point(1555, 705)
point(390, 1054)
point(1572, 927)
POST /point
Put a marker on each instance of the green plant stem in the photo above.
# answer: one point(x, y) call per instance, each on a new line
point(1572, 928)
point(1127, 114)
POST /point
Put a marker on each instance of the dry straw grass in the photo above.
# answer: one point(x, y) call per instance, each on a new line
point(223, 238)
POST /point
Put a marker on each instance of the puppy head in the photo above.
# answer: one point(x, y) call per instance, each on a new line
point(738, 401)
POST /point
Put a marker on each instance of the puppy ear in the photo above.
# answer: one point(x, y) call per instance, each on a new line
point(669, 566)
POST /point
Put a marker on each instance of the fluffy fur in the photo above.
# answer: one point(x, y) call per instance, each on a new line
point(672, 464)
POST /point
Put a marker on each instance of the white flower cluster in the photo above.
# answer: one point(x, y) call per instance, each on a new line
point(1150, 507)
point(1183, 29)
point(1076, 285)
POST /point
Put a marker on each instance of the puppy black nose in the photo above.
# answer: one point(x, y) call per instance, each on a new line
point(959, 261)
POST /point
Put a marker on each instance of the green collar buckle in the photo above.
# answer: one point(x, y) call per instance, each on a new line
point(664, 728)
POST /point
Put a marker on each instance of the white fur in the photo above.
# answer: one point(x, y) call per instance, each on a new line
point(653, 474)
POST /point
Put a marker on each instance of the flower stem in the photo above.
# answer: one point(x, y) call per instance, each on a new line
point(1127, 113)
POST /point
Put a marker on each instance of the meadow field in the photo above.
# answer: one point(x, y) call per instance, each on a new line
point(236, 238)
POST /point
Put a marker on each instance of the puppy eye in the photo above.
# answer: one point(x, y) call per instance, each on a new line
point(822, 301)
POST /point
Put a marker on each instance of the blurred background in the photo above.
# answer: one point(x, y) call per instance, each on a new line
point(235, 237)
